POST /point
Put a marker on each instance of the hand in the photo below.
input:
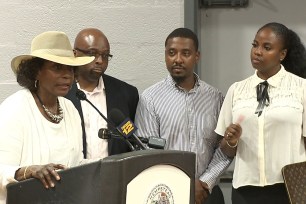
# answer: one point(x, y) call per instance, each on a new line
point(201, 191)
point(45, 173)
point(232, 134)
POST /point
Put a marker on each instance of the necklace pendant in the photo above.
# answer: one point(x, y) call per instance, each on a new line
point(56, 118)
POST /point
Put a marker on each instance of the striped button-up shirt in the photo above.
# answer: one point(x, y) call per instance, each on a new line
point(186, 119)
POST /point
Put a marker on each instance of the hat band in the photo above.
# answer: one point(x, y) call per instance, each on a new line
point(55, 52)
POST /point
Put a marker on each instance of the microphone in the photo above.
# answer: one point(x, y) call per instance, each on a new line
point(82, 96)
point(125, 126)
point(156, 142)
point(152, 142)
point(107, 134)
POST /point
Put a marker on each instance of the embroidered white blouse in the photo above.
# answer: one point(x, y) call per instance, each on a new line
point(272, 140)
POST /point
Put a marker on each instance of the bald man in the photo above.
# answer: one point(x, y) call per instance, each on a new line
point(104, 91)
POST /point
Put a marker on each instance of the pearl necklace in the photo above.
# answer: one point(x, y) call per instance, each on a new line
point(54, 117)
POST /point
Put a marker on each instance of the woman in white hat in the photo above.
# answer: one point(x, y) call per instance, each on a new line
point(40, 129)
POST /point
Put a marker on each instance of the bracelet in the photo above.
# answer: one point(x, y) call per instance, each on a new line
point(232, 146)
point(24, 173)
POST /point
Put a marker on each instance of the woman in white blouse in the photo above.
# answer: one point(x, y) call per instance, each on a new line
point(263, 117)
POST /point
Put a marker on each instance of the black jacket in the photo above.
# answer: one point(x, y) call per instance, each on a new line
point(120, 95)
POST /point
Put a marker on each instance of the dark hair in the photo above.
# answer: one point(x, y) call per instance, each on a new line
point(184, 33)
point(27, 72)
point(295, 60)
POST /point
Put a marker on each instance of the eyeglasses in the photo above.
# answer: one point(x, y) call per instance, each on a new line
point(96, 54)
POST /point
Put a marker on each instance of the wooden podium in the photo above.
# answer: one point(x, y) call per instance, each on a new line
point(144, 177)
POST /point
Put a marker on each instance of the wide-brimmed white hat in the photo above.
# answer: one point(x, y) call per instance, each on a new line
point(53, 46)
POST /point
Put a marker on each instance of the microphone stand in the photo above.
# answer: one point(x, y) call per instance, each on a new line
point(81, 96)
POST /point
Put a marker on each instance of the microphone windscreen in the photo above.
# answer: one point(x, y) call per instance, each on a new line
point(157, 142)
point(116, 116)
point(80, 95)
point(104, 133)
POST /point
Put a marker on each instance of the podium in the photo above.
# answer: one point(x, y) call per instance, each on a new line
point(144, 177)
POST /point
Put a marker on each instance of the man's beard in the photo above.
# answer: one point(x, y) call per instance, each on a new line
point(178, 79)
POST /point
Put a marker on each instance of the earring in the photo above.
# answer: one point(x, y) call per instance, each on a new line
point(35, 83)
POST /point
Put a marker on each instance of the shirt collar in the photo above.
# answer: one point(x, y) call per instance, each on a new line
point(170, 80)
point(274, 80)
point(98, 89)
point(100, 86)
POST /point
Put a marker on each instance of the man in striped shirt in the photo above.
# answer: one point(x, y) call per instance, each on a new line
point(184, 110)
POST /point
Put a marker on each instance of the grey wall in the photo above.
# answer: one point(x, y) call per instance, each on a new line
point(136, 30)
point(227, 34)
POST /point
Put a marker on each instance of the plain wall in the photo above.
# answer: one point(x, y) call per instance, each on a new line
point(136, 30)
point(227, 34)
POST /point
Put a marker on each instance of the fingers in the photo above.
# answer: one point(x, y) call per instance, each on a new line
point(201, 192)
point(60, 166)
point(47, 173)
point(45, 178)
point(233, 132)
point(232, 135)
point(198, 192)
point(205, 186)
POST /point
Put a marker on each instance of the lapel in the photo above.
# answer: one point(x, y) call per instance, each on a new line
point(110, 100)
point(109, 103)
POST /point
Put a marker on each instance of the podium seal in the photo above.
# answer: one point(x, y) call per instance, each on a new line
point(160, 194)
